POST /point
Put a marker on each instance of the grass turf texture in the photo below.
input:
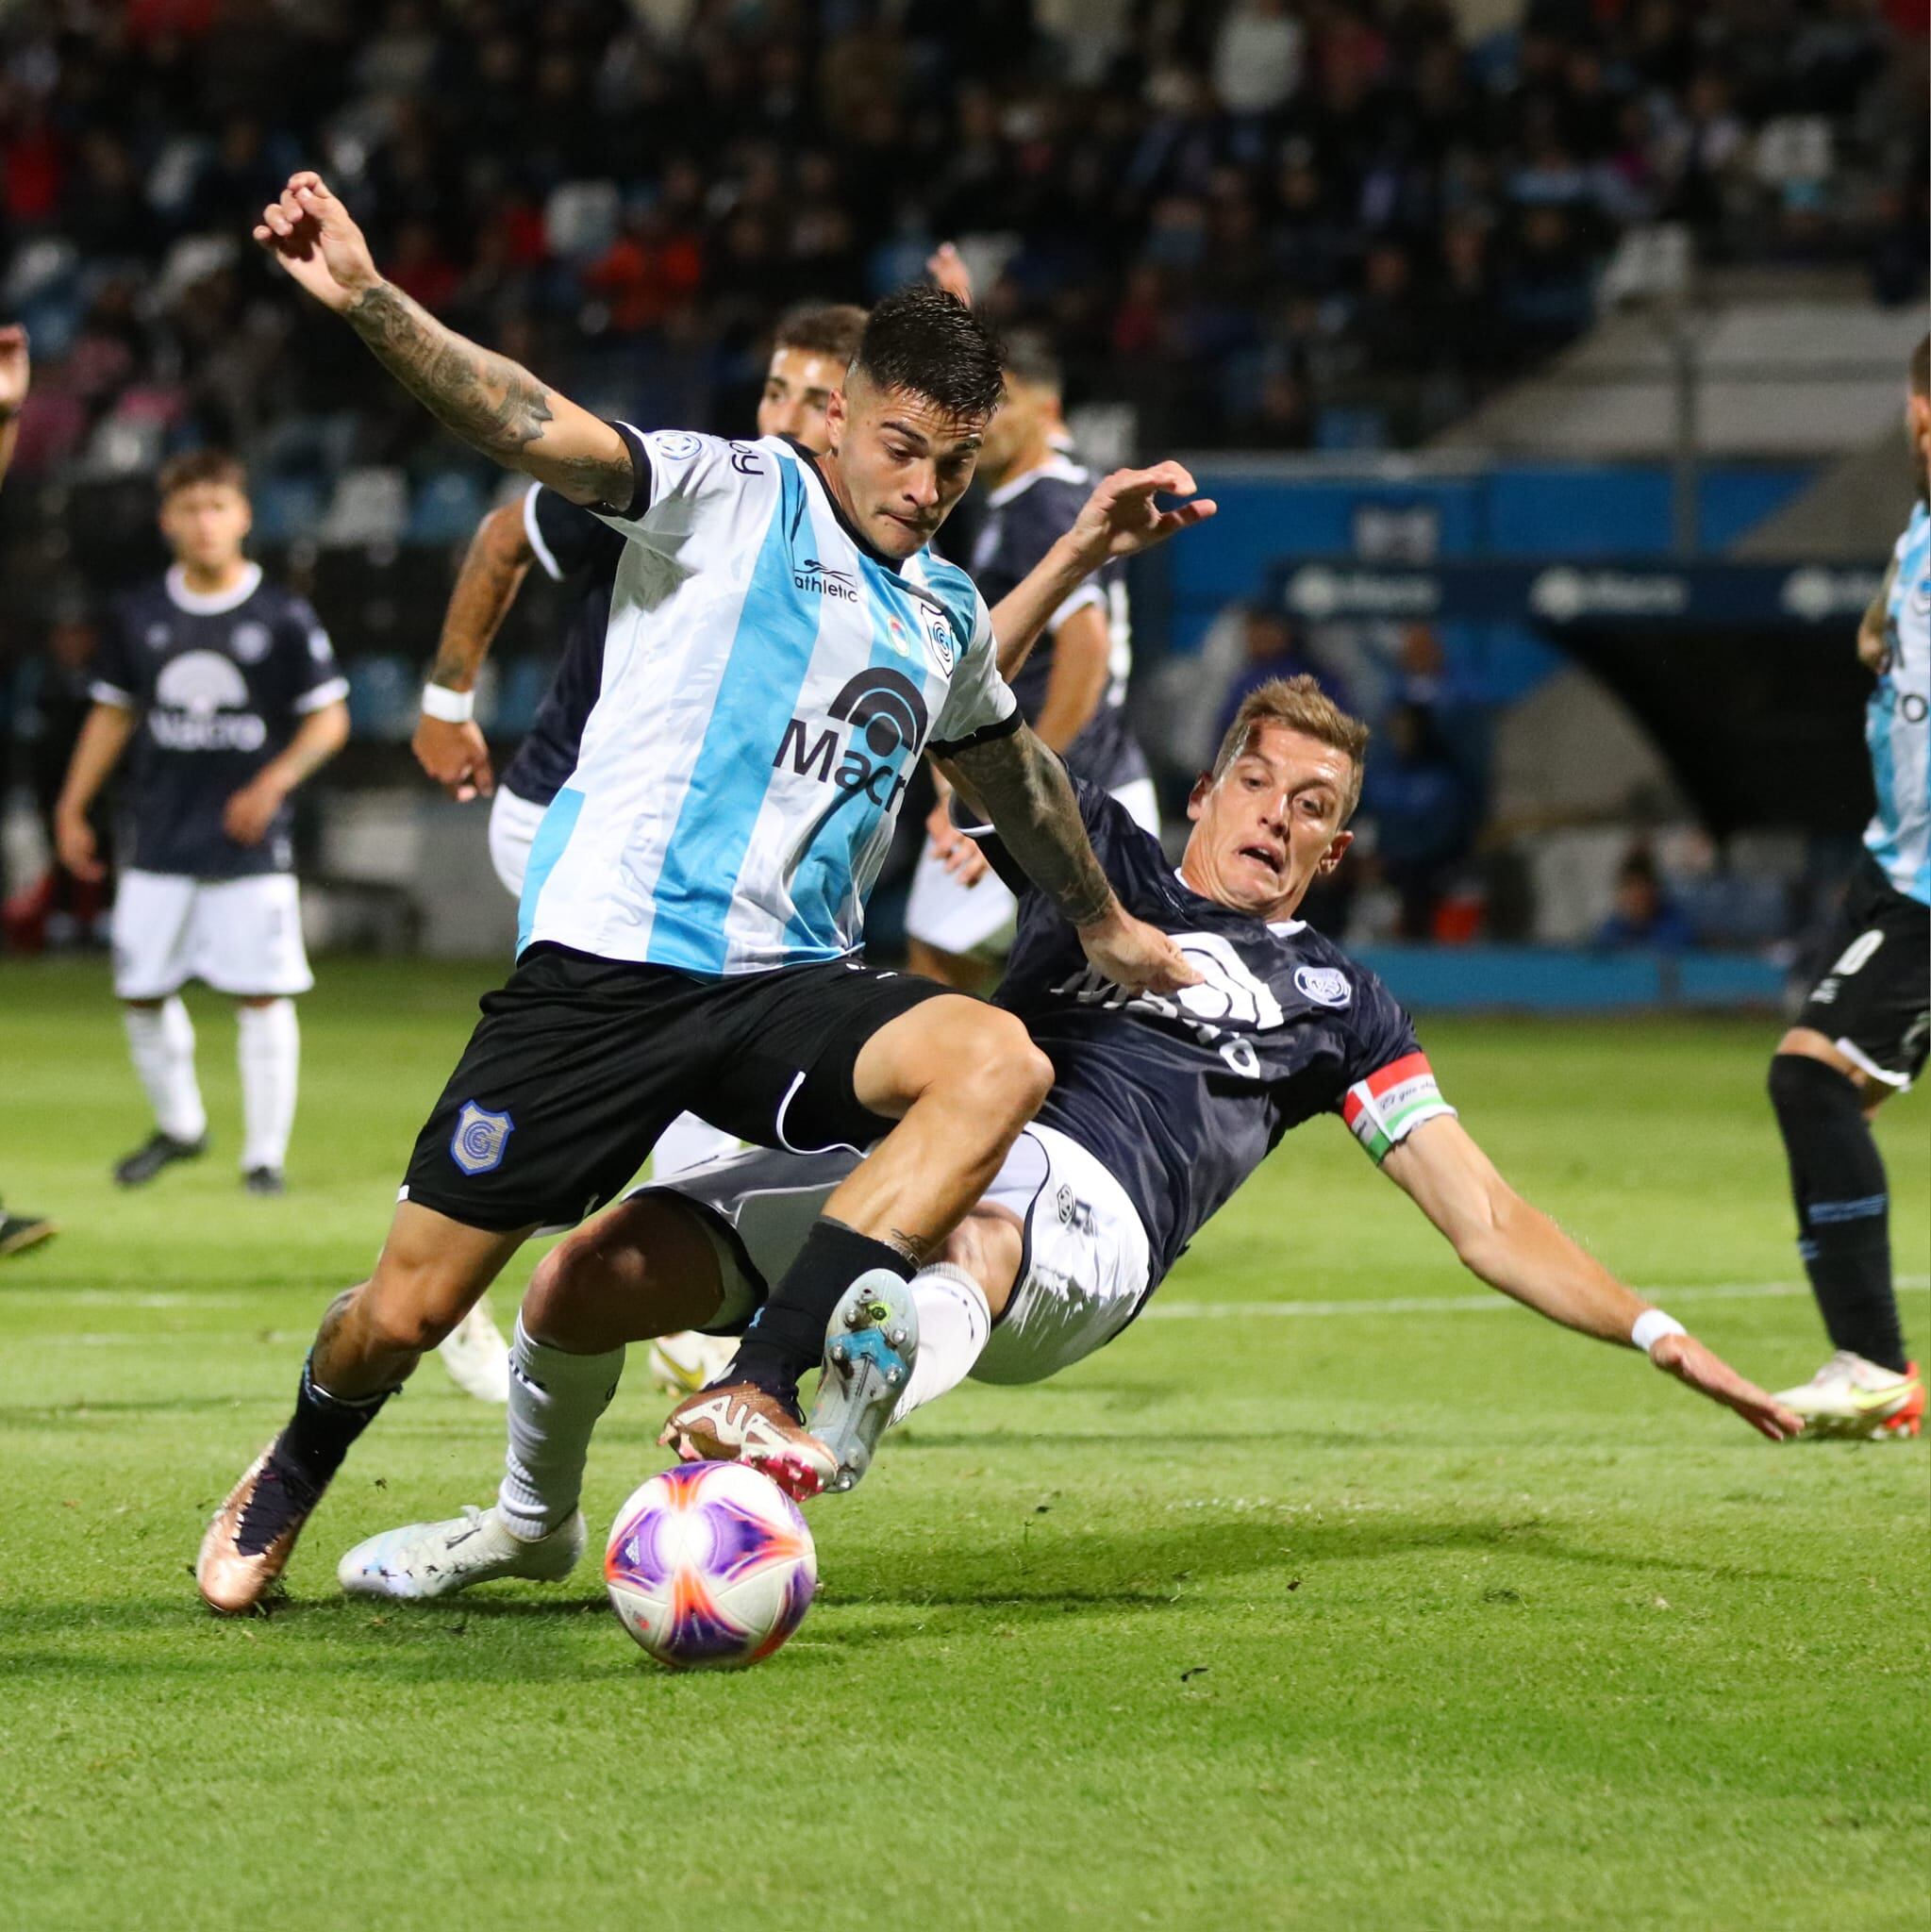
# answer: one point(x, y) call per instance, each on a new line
point(1394, 1619)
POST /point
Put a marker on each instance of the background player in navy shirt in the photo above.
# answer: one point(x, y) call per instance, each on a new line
point(1072, 687)
point(229, 690)
point(1161, 1106)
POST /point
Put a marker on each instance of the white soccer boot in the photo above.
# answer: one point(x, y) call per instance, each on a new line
point(1850, 1396)
point(426, 1559)
point(476, 1356)
point(682, 1365)
point(868, 1351)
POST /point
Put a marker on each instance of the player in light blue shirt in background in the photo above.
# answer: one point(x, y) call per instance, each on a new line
point(1865, 1029)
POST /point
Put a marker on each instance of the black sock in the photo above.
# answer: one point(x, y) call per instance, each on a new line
point(1844, 1205)
point(321, 1432)
point(786, 1335)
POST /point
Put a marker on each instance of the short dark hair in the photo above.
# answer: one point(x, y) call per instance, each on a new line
point(929, 343)
point(833, 330)
point(1029, 356)
point(196, 466)
point(1920, 369)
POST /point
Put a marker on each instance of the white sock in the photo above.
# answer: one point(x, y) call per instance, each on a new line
point(688, 1143)
point(954, 1324)
point(269, 1047)
point(161, 1040)
point(555, 1402)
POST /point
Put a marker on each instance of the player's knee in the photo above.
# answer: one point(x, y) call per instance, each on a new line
point(559, 1302)
point(1801, 1083)
point(1007, 1074)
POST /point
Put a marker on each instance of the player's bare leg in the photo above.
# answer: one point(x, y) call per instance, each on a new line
point(643, 1268)
point(962, 1079)
point(429, 1274)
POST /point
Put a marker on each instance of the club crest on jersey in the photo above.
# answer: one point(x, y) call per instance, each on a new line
point(250, 642)
point(481, 1140)
point(939, 635)
point(1323, 985)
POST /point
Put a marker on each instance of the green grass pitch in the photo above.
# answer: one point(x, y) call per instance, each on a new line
point(1376, 1616)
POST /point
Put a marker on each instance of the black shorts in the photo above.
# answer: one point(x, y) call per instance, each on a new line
point(580, 1064)
point(1876, 1000)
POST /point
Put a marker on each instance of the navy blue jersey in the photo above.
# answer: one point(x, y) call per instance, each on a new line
point(221, 684)
point(571, 544)
point(1024, 518)
point(1180, 1097)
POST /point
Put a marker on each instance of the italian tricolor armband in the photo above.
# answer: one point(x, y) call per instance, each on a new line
point(1386, 1107)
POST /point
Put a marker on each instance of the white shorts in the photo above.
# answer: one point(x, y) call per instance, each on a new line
point(979, 918)
point(239, 936)
point(1084, 1271)
point(513, 823)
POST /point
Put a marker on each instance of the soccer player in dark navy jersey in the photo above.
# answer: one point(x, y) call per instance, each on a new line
point(1072, 687)
point(1161, 1106)
point(229, 690)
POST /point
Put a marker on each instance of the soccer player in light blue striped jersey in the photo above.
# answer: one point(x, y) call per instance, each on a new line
point(1865, 1029)
point(780, 650)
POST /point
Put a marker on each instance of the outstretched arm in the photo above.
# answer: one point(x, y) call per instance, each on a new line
point(1030, 801)
point(1516, 1248)
point(1118, 519)
point(454, 753)
point(494, 404)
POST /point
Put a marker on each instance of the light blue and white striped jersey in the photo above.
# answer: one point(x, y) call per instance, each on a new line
point(769, 682)
point(1899, 837)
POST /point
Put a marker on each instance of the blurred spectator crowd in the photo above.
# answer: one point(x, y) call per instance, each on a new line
point(1264, 222)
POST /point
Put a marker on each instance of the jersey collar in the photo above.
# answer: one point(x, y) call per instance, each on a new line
point(1281, 928)
point(1058, 466)
point(851, 530)
point(215, 604)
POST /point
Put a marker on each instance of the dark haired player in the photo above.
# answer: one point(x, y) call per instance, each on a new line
point(17, 1232)
point(781, 648)
point(1866, 1028)
point(811, 350)
point(233, 690)
point(1161, 1106)
point(1070, 686)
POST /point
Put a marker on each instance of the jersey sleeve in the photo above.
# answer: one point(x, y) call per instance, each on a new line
point(1391, 1087)
point(315, 678)
point(980, 704)
point(1036, 522)
point(680, 477)
point(116, 679)
point(567, 539)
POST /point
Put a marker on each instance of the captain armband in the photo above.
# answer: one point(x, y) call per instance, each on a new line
point(1386, 1107)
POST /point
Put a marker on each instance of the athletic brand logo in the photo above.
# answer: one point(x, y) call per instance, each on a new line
point(481, 1138)
point(158, 637)
point(1322, 985)
point(200, 705)
point(1073, 1212)
point(675, 444)
point(250, 642)
point(886, 713)
point(812, 576)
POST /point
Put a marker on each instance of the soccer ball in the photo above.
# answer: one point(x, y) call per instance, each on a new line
point(710, 1566)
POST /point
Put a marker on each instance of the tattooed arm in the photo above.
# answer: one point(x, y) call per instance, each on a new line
point(493, 404)
point(1025, 792)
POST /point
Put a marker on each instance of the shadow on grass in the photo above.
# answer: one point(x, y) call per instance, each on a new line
point(1033, 1572)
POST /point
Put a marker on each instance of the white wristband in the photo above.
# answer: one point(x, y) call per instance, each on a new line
point(1651, 1327)
point(451, 706)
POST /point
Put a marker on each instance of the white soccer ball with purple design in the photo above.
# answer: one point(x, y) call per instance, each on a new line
point(710, 1566)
